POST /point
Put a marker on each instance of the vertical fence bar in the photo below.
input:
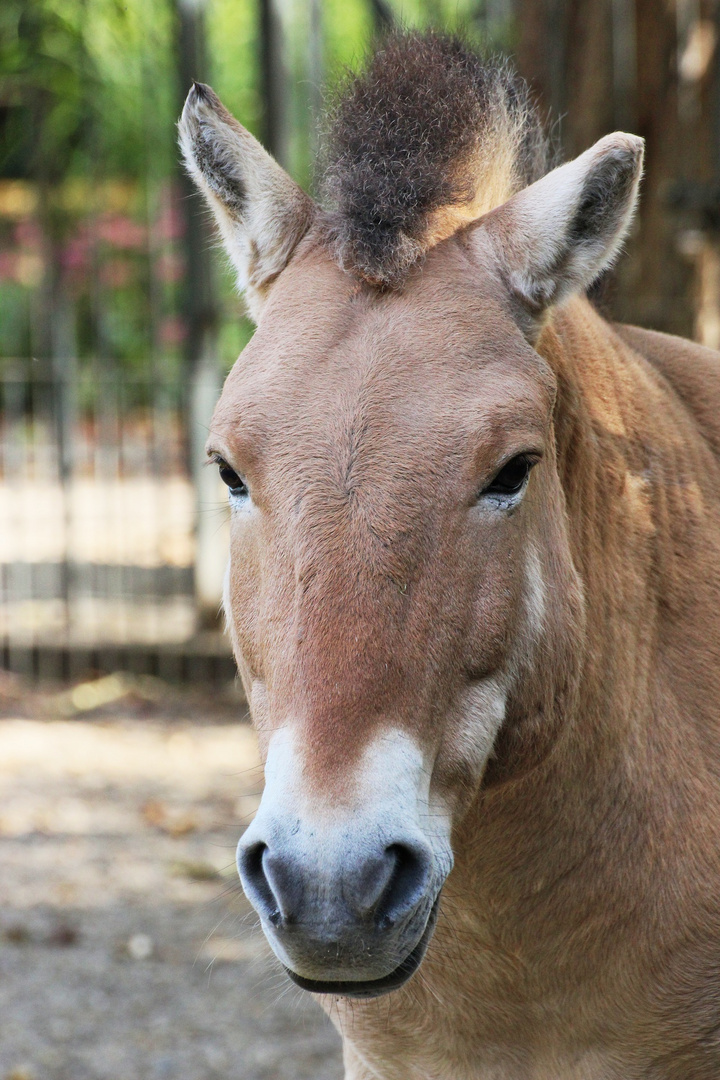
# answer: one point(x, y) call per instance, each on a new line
point(97, 546)
point(20, 644)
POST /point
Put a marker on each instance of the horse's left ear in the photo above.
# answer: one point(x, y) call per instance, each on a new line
point(556, 236)
point(261, 212)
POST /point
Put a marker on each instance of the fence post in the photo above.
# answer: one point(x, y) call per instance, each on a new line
point(210, 535)
point(200, 311)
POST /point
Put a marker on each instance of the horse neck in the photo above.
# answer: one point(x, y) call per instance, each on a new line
point(550, 815)
point(641, 485)
point(618, 427)
point(624, 446)
point(636, 754)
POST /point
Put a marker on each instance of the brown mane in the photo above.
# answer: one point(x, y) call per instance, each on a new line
point(428, 137)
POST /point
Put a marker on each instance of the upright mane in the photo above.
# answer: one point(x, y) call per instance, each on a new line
point(427, 138)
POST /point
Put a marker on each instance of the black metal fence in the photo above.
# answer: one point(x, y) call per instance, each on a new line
point(98, 534)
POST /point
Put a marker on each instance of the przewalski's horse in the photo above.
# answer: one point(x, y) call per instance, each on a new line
point(474, 592)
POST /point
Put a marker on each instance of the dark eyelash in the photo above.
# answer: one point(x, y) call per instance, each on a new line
point(512, 477)
point(234, 482)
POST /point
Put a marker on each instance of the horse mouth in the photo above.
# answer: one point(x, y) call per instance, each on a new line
point(371, 988)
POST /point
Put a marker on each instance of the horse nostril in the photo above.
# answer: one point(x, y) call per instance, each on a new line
point(255, 882)
point(380, 891)
point(407, 883)
point(250, 863)
point(273, 883)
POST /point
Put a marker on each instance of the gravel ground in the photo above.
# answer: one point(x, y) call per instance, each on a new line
point(127, 950)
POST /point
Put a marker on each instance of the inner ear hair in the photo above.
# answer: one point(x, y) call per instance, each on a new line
point(606, 192)
point(260, 211)
point(211, 150)
point(557, 236)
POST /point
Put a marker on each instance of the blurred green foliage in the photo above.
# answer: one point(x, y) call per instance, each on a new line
point(48, 86)
point(89, 95)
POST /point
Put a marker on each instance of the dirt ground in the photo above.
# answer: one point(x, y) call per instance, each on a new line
point(127, 949)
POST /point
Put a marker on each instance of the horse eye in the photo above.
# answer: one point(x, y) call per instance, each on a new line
point(511, 477)
point(230, 477)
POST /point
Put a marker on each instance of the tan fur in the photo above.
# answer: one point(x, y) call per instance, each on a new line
point(490, 177)
point(372, 591)
point(579, 930)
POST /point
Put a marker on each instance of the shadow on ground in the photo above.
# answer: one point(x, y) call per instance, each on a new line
point(127, 950)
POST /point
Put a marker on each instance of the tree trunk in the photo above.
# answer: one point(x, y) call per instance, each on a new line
point(274, 83)
point(603, 65)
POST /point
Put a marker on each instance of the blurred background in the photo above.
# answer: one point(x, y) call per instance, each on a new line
point(126, 769)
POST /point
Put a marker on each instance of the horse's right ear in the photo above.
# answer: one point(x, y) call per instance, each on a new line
point(262, 214)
